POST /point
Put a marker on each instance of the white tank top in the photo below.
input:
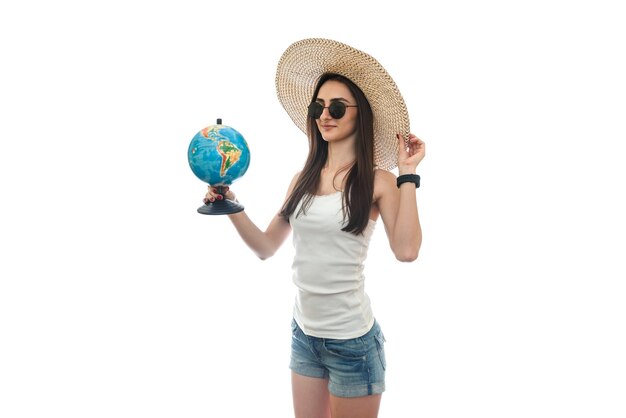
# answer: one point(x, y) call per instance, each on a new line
point(328, 271)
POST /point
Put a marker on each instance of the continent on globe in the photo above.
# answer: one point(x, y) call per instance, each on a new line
point(230, 155)
point(211, 131)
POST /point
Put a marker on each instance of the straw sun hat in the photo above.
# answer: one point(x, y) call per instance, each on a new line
point(301, 66)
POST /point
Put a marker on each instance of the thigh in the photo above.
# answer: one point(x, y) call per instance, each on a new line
point(363, 407)
point(311, 398)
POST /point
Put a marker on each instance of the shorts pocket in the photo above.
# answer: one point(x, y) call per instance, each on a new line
point(380, 346)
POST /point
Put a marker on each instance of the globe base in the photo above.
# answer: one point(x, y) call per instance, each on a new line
point(220, 207)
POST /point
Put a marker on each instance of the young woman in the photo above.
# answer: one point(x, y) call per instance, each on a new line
point(331, 207)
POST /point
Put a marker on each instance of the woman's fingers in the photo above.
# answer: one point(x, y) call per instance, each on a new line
point(415, 144)
point(214, 194)
point(402, 145)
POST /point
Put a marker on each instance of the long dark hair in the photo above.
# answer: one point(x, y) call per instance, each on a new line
point(359, 184)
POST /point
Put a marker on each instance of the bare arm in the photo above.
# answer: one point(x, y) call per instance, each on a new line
point(263, 243)
point(398, 207)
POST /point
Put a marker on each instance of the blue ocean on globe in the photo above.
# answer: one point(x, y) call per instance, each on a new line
point(218, 155)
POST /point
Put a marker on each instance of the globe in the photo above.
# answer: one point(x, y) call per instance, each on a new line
point(219, 155)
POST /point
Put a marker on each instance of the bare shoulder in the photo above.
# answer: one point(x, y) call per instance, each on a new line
point(292, 185)
point(384, 181)
point(294, 180)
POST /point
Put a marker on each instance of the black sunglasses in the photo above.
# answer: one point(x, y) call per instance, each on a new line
point(336, 109)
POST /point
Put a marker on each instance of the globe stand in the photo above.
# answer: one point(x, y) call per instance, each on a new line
point(220, 207)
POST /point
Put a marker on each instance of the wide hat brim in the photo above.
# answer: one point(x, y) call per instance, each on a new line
point(300, 68)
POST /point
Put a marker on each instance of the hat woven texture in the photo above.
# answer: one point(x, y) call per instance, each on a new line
point(301, 66)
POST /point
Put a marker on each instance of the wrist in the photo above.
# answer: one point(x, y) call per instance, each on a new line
point(406, 170)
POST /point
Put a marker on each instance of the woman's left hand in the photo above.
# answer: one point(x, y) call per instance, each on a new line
point(410, 153)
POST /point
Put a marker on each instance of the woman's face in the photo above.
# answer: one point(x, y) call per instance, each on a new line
point(332, 129)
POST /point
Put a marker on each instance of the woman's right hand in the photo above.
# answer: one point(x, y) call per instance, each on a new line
point(212, 195)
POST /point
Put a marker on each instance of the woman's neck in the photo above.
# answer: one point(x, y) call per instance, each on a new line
point(340, 155)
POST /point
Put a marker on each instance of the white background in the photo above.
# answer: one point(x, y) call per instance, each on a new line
point(118, 300)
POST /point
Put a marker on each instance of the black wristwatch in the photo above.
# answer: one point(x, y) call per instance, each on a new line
point(406, 178)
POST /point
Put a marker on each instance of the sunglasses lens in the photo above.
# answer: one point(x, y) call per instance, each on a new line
point(315, 110)
point(337, 110)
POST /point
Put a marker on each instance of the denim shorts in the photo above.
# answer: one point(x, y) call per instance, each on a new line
point(353, 367)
